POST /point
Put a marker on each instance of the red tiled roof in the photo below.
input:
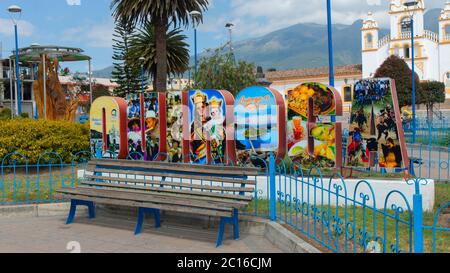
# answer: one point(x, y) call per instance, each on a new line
point(314, 72)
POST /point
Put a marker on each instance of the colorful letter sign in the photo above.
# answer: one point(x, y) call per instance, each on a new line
point(260, 117)
point(174, 131)
point(311, 143)
point(375, 127)
point(108, 120)
point(144, 125)
point(210, 139)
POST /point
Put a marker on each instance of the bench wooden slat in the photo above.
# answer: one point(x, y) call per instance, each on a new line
point(169, 183)
point(173, 175)
point(142, 197)
point(175, 191)
point(130, 203)
point(143, 190)
point(189, 168)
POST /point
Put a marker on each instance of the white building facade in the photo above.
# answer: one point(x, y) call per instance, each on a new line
point(432, 50)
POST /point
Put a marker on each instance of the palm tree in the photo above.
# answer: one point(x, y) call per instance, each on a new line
point(143, 44)
point(160, 13)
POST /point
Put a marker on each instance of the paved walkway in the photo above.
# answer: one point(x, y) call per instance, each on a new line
point(50, 234)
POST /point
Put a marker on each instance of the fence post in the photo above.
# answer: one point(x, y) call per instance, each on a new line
point(418, 218)
point(430, 134)
point(272, 186)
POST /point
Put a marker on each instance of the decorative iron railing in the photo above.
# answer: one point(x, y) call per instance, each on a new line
point(430, 35)
point(339, 214)
point(385, 40)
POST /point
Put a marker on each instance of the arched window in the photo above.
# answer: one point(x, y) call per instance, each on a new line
point(405, 25)
point(406, 53)
point(369, 40)
point(447, 33)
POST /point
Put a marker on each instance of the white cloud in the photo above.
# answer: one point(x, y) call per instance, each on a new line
point(258, 17)
point(73, 2)
point(93, 35)
point(25, 28)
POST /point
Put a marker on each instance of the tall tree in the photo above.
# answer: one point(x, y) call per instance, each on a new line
point(160, 13)
point(431, 92)
point(223, 72)
point(126, 73)
point(143, 44)
point(397, 69)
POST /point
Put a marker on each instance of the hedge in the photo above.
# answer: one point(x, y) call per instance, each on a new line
point(33, 138)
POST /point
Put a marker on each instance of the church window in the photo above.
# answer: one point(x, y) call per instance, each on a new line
point(406, 53)
point(447, 32)
point(406, 25)
point(369, 39)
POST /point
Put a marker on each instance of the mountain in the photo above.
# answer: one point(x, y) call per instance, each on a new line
point(306, 45)
point(303, 46)
point(431, 20)
point(103, 73)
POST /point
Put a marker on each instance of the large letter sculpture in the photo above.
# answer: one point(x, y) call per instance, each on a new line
point(146, 113)
point(312, 143)
point(174, 125)
point(210, 127)
point(376, 132)
point(260, 116)
point(108, 120)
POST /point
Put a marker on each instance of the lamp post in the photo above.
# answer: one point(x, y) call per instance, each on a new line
point(411, 6)
point(16, 10)
point(196, 16)
point(142, 109)
point(230, 29)
point(330, 49)
point(142, 60)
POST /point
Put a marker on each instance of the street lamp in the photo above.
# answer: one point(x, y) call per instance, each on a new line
point(411, 7)
point(230, 29)
point(196, 16)
point(142, 60)
point(142, 109)
point(330, 49)
point(16, 13)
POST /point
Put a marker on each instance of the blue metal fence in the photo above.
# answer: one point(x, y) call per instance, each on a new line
point(338, 215)
point(436, 132)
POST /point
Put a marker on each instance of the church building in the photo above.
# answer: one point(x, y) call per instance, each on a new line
point(432, 50)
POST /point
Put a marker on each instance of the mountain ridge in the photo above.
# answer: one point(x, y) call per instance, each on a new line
point(305, 45)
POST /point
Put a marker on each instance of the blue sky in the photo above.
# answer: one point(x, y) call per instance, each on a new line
point(88, 24)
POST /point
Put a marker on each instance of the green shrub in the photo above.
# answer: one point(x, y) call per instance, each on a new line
point(32, 138)
point(5, 113)
point(25, 115)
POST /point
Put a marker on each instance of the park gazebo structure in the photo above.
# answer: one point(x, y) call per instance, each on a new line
point(46, 88)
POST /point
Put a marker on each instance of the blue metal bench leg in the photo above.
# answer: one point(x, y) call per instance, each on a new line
point(73, 208)
point(141, 215)
point(235, 224)
point(234, 220)
point(223, 221)
point(140, 221)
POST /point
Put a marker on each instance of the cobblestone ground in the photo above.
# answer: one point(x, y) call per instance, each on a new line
point(109, 235)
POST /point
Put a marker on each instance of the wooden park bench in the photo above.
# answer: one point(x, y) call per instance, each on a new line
point(216, 191)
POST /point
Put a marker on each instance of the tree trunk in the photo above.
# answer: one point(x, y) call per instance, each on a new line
point(161, 54)
point(154, 79)
point(430, 112)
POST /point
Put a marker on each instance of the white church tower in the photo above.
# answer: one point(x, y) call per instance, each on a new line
point(432, 50)
point(444, 45)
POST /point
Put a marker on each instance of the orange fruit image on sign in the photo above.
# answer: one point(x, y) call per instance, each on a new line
point(324, 102)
